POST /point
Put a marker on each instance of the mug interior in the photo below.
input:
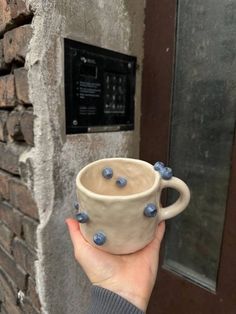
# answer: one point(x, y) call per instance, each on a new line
point(139, 175)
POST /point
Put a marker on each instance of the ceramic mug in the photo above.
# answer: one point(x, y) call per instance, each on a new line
point(119, 202)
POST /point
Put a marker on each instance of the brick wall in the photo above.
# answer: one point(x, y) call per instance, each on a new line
point(18, 211)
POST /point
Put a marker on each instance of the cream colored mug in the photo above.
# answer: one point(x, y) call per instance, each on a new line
point(119, 202)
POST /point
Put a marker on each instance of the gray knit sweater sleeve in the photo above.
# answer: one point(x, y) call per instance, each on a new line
point(107, 302)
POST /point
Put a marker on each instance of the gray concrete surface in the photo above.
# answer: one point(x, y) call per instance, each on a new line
point(56, 159)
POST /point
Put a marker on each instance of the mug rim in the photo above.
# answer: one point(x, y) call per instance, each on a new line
point(94, 195)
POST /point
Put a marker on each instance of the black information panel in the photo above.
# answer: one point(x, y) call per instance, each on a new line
point(99, 89)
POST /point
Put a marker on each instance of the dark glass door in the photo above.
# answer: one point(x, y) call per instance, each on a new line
point(188, 120)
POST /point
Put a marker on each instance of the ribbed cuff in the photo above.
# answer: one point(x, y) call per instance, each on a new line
point(107, 302)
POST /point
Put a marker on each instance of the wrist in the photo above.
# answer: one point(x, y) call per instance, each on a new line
point(138, 301)
point(106, 301)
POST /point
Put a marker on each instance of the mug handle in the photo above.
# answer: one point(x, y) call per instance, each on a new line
point(181, 203)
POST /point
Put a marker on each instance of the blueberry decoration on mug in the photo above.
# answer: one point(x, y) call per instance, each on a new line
point(150, 210)
point(165, 172)
point(121, 182)
point(99, 238)
point(159, 165)
point(107, 173)
point(82, 217)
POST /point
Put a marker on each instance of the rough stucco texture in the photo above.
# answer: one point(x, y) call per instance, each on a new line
point(56, 158)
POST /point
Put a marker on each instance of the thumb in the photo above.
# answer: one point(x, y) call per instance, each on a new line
point(160, 231)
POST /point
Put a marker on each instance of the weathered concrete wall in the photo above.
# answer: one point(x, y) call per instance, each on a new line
point(56, 159)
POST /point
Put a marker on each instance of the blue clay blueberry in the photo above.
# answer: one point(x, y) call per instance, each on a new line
point(121, 182)
point(76, 205)
point(159, 166)
point(82, 217)
point(107, 173)
point(150, 210)
point(166, 173)
point(99, 238)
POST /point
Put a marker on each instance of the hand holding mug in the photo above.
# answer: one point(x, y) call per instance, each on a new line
point(131, 276)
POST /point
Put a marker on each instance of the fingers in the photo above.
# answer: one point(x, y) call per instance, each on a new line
point(160, 231)
point(75, 234)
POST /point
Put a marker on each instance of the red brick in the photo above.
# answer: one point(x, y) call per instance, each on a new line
point(21, 198)
point(7, 91)
point(13, 125)
point(11, 217)
point(16, 42)
point(28, 308)
point(10, 154)
point(3, 128)
point(3, 65)
point(6, 236)
point(32, 293)
point(22, 86)
point(12, 308)
point(29, 226)
point(27, 126)
point(5, 15)
point(8, 287)
point(24, 256)
point(12, 12)
point(3, 310)
point(18, 9)
point(12, 269)
point(4, 190)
